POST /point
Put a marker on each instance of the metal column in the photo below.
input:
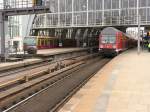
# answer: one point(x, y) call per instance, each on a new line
point(87, 20)
point(138, 22)
point(2, 36)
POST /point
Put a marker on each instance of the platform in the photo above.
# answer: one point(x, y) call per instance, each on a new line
point(11, 65)
point(56, 51)
point(50, 52)
point(123, 85)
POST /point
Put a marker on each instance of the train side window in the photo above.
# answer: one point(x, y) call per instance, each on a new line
point(46, 43)
point(39, 42)
point(49, 41)
point(42, 42)
point(55, 42)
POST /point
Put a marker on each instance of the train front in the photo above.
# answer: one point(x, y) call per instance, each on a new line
point(30, 44)
point(107, 42)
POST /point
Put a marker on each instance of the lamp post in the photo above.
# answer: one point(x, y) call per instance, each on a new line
point(139, 25)
point(139, 20)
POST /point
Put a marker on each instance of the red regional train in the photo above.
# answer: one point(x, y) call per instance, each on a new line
point(113, 41)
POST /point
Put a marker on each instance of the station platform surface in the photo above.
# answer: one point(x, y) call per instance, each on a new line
point(58, 50)
point(55, 51)
point(122, 85)
point(9, 65)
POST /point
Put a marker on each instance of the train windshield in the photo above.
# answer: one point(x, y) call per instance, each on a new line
point(108, 39)
point(30, 41)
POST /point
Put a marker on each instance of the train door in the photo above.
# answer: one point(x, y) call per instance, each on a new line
point(119, 40)
point(124, 42)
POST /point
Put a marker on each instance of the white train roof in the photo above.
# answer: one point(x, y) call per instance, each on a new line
point(113, 31)
point(109, 31)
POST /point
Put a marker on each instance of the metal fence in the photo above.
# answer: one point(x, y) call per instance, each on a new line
point(83, 13)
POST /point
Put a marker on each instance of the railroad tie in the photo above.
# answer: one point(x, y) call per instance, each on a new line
point(26, 78)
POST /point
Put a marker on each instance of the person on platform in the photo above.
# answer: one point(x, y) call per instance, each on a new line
point(149, 47)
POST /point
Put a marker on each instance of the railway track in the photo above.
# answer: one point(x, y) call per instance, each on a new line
point(30, 74)
point(25, 67)
point(48, 91)
point(11, 87)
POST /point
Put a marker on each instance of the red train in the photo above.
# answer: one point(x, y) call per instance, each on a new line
point(112, 41)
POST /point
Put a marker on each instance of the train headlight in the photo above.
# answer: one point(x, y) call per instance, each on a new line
point(114, 46)
point(101, 46)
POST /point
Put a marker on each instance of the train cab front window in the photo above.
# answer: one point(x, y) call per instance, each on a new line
point(108, 39)
point(30, 41)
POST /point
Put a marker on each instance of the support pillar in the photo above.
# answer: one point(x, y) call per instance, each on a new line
point(85, 36)
point(73, 35)
point(78, 37)
point(2, 37)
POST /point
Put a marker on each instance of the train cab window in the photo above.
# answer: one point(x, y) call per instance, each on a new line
point(108, 39)
point(31, 41)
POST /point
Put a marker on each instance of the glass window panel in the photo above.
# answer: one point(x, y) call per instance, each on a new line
point(91, 4)
point(30, 41)
point(68, 5)
point(107, 4)
point(91, 18)
point(142, 3)
point(148, 2)
point(80, 5)
point(108, 39)
point(132, 3)
point(124, 3)
point(115, 4)
point(54, 5)
point(99, 4)
point(98, 17)
point(148, 14)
